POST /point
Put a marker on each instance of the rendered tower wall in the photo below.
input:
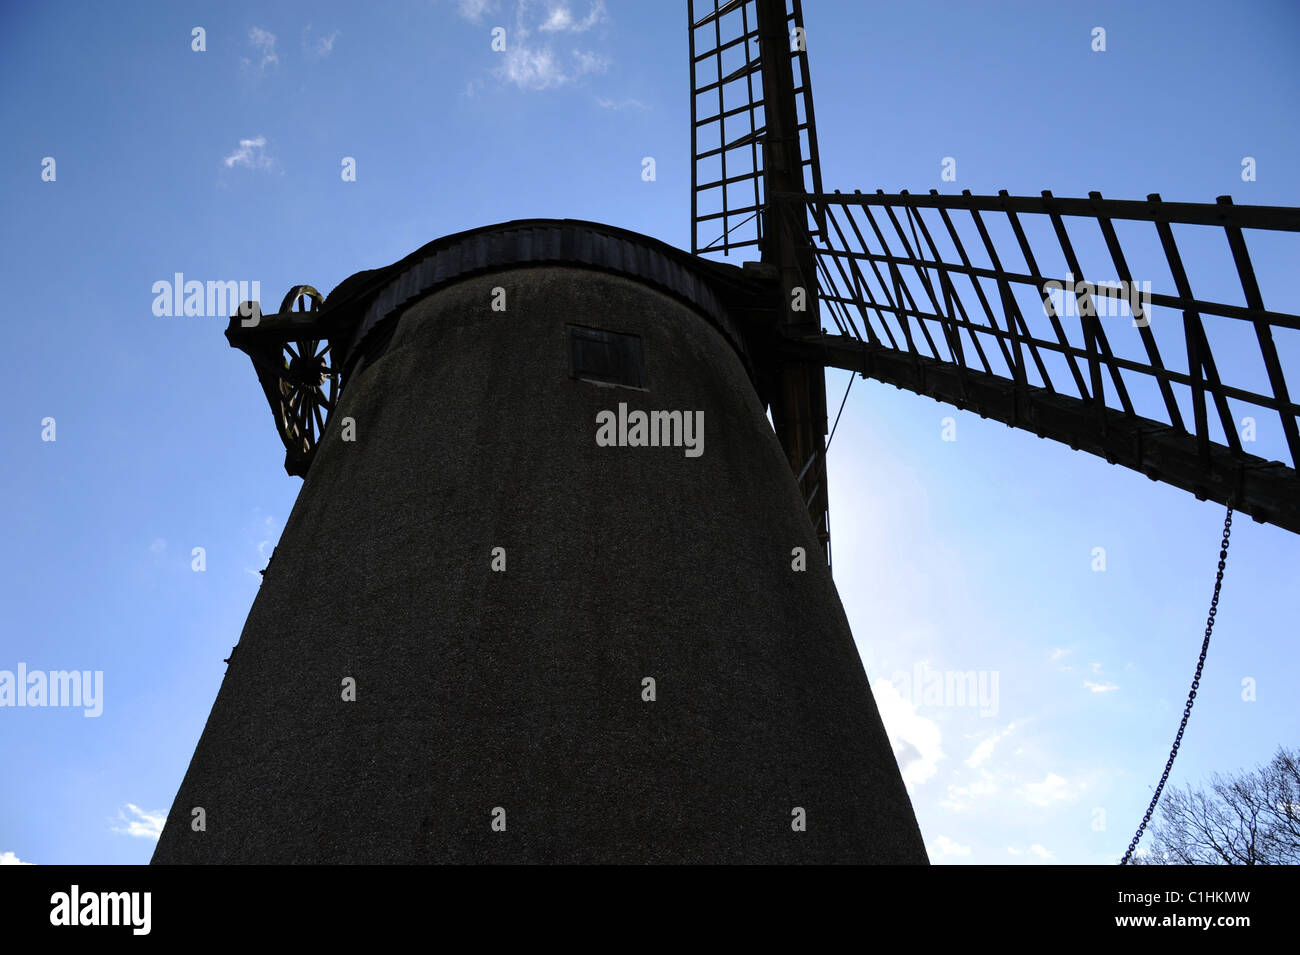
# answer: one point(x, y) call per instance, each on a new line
point(522, 690)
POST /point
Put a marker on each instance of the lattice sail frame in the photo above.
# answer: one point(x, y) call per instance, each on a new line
point(887, 285)
point(914, 308)
point(728, 123)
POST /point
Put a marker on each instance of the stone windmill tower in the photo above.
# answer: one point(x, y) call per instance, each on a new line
point(554, 588)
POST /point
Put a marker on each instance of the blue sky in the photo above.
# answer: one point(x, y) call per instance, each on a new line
point(965, 555)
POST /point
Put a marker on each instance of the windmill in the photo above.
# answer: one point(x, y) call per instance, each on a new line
point(554, 648)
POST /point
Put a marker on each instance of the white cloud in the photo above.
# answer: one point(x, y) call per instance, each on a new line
point(1035, 850)
point(984, 750)
point(943, 846)
point(263, 41)
point(1100, 687)
point(251, 153)
point(532, 68)
point(264, 55)
point(588, 62)
point(318, 47)
point(606, 103)
point(560, 18)
point(473, 10)
point(531, 65)
point(1095, 667)
point(916, 739)
point(1052, 789)
point(264, 535)
point(1060, 653)
point(959, 798)
point(146, 825)
point(540, 68)
point(8, 858)
point(157, 545)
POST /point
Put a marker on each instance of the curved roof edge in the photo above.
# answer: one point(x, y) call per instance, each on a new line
point(368, 300)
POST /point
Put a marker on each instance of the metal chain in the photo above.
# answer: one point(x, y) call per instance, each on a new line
point(1191, 697)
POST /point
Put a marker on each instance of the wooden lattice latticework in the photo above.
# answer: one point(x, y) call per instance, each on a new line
point(922, 295)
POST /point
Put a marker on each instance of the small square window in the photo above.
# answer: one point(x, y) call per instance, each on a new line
point(611, 358)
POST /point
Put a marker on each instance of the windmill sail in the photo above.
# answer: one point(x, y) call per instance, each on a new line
point(1121, 369)
point(994, 304)
point(729, 117)
point(754, 153)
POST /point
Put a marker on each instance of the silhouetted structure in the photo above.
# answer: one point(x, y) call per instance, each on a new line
point(523, 689)
point(450, 404)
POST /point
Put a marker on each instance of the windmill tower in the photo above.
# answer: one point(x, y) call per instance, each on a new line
point(555, 591)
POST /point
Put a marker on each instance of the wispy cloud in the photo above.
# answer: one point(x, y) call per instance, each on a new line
point(559, 18)
point(265, 533)
point(916, 739)
point(1059, 656)
point(8, 858)
point(1100, 687)
point(943, 847)
point(606, 103)
point(587, 62)
point(145, 825)
point(264, 55)
point(961, 798)
point(1053, 789)
point(473, 10)
point(1037, 849)
point(540, 68)
point(531, 63)
point(250, 154)
point(318, 47)
point(532, 68)
point(985, 748)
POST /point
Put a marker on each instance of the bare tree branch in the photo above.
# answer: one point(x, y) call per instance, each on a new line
point(1252, 818)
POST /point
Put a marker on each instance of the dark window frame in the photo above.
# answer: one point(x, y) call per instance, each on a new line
point(605, 357)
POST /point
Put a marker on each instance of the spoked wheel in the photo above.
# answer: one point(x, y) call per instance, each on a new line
point(308, 383)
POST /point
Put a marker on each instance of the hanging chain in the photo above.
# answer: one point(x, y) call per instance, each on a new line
point(1191, 697)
